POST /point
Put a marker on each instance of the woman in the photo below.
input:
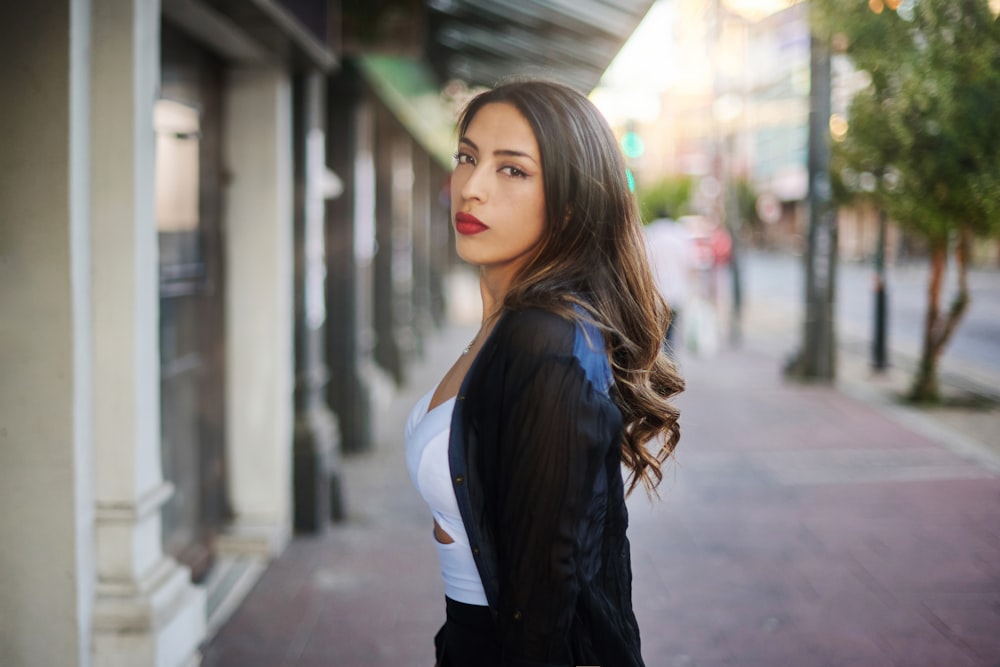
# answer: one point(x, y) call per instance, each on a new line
point(518, 450)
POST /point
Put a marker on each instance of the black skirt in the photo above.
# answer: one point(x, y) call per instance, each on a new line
point(468, 637)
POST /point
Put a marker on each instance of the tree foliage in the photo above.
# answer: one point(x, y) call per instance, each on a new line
point(668, 197)
point(746, 203)
point(928, 124)
point(924, 134)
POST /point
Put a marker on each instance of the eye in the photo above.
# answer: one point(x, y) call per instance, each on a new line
point(464, 158)
point(511, 170)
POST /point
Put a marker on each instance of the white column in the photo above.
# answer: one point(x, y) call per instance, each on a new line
point(147, 612)
point(260, 362)
point(46, 443)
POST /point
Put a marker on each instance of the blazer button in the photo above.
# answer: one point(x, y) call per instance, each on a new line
point(475, 551)
point(459, 480)
point(517, 615)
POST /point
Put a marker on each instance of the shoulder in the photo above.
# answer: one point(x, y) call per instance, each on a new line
point(536, 333)
point(537, 330)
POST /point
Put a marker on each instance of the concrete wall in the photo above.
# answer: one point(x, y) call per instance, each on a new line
point(46, 487)
point(259, 307)
point(146, 611)
point(83, 578)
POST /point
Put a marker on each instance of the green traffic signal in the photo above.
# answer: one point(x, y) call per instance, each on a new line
point(632, 145)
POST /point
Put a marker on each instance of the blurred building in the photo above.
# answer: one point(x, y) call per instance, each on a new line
point(734, 83)
point(737, 108)
point(777, 120)
point(223, 233)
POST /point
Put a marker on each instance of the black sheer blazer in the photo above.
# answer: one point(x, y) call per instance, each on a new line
point(535, 459)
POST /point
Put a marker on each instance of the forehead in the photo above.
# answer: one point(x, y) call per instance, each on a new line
point(499, 125)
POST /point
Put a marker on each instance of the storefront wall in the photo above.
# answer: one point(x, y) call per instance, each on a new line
point(259, 309)
point(82, 478)
point(46, 407)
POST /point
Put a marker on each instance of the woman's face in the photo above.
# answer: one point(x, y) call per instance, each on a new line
point(497, 195)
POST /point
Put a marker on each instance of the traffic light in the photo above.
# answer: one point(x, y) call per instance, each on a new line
point(632, 144)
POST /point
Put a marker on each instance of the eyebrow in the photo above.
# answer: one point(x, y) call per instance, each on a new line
point(503, 151)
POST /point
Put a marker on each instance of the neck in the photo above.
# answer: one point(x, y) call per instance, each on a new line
point(493, 285)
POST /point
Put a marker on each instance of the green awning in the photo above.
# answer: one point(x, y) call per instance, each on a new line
point(408, 89)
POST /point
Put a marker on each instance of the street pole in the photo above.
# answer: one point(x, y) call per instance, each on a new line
point(735, 223)
point(816, 358)
point(724, 163)
point(880, 358)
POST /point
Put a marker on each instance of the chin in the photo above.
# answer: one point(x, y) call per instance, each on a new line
point(467, 257)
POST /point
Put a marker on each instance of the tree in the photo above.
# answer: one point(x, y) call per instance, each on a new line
point(670, 196)
point(924, 136)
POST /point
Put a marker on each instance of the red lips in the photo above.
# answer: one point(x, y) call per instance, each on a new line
point(468, 224)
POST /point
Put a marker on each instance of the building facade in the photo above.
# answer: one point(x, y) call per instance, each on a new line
point(191, 193)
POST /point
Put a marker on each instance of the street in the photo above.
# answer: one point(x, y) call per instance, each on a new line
point(776, 281)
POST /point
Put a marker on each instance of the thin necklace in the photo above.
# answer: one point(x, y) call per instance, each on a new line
point(472, 342)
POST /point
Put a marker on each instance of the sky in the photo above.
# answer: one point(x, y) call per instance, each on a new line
point(652, 41)
point(650, 61)
point(631, 87)
point(756, 9)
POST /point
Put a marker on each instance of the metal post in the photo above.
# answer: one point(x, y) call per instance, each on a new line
point(735, 224)
point(816, 359)
point(880, 357)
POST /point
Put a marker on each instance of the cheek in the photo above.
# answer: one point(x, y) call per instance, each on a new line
point(534, 233)
point(539, 234)
point(540, 215)
point(454, 189)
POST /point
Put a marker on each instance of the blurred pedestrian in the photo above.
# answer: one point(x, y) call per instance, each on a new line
point(672, 257)
point(518, 450)
point(708, 294)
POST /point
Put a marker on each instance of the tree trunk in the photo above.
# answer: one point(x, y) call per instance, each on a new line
point(938, 328)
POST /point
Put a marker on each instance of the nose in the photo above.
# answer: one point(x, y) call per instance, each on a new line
point(474, 187)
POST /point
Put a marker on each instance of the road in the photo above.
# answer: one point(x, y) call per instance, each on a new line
point(777, 281)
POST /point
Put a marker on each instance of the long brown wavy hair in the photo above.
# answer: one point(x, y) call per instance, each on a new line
point(592, 254)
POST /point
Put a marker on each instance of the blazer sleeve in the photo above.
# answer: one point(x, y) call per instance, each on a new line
point(556, 431)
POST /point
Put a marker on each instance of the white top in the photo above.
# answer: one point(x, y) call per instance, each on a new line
point(427, 434)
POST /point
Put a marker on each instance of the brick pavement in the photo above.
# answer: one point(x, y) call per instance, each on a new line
point(799, 526)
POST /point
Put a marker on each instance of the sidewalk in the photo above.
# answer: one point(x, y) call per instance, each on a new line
point(802, 526)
